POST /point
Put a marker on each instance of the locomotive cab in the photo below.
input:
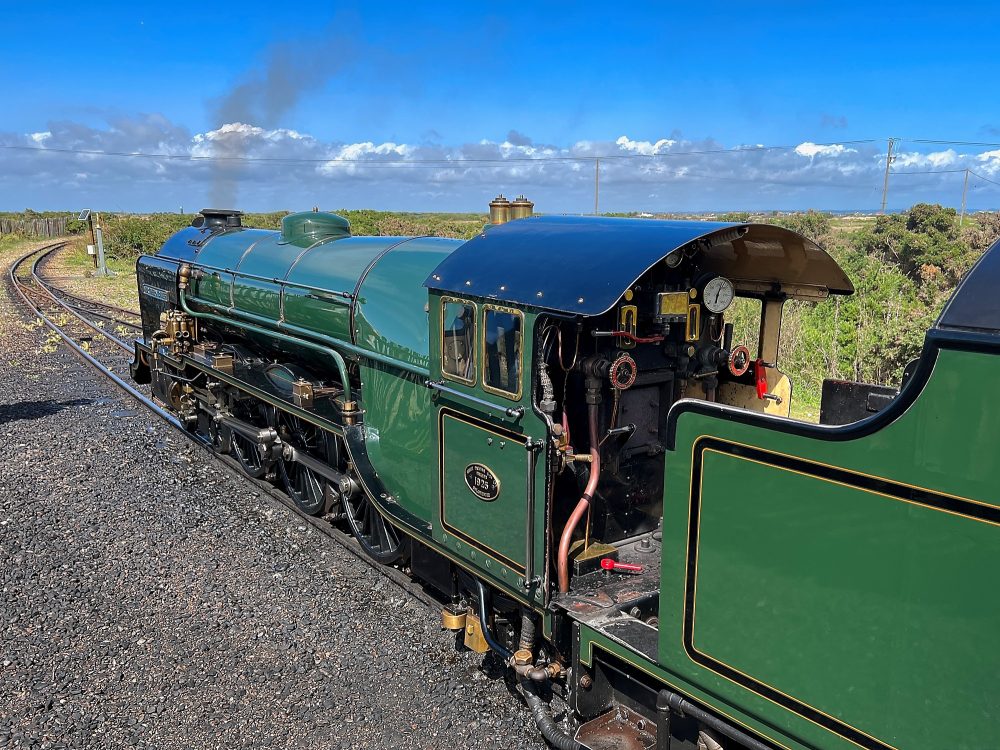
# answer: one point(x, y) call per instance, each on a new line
point(574, 338)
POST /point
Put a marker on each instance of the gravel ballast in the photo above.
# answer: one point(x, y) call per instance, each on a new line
point(149, 597)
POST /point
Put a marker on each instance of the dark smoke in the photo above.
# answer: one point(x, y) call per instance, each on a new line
point(268, 92)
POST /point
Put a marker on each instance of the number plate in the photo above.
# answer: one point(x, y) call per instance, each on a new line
point(482, 481)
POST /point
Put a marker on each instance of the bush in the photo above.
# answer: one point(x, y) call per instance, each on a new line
point(983, 231)
point(813, 224)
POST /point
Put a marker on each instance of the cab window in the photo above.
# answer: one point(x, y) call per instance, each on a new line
point(502, 346)
point(458, 337)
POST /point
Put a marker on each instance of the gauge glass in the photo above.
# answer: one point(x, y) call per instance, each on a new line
point(718, 294)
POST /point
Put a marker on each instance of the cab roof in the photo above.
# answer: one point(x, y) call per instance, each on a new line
point(583, 264)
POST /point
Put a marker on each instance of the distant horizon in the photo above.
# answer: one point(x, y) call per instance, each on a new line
point(538, 211)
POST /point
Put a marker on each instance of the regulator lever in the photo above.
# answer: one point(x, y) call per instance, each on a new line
point(608, 564)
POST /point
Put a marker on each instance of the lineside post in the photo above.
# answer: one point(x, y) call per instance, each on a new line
point(102, 266)
point(965, 192)
point(889, 159)
point(597, 182)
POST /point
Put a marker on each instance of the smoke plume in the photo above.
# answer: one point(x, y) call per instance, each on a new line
point(267, 93)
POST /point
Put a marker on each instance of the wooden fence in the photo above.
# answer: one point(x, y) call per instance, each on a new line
point(55, 227)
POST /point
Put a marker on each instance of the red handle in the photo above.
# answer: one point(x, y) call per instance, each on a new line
point(760, 374)
point(608, 564)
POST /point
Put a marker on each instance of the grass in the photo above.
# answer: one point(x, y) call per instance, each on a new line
point(74, 271)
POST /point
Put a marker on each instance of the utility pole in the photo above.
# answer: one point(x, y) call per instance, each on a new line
point(965, 192)
point(597, 183)
point(889, 158)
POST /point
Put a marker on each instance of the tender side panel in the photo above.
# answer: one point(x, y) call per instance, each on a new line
point(843, 590)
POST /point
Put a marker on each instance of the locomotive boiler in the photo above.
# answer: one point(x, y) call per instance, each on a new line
point(556, 425)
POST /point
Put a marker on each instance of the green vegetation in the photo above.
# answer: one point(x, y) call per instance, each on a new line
point(904, 267)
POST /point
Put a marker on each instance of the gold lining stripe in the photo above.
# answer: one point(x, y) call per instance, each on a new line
point(590, 663)
point(694, 596)
point(464, 536)
point(472, 353)
point(512, 395)
point(465, 565)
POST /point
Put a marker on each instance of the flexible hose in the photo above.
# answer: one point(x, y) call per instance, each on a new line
point(527, 639)
point(484, 611)
point(581, 507)
point(544, 721)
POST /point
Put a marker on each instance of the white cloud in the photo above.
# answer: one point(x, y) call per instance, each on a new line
point(287, 168)
point(810, 149)
point(647, 148)
point(933, 160)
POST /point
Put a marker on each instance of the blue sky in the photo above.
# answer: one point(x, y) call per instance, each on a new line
point(354, 98)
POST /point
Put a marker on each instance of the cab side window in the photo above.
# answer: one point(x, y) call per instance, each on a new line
point(458, 339)
point(502, 346)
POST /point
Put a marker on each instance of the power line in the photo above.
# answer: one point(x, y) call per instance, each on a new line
point(949, 143)
point(432, 162)
point(889, 158)
point(984, 179)
point(932, 171)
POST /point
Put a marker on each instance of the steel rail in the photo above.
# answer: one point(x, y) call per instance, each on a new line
point(398, 577)
point(92, 302)
point(44, 253)
point(103, 316)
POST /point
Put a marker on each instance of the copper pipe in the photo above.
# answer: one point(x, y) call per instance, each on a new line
point(581, 507)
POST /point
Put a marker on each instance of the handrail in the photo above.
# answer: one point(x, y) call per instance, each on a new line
point(307, 334)
point(530, 579)
point(256, 277)
point(336, 356)
point(513, 412)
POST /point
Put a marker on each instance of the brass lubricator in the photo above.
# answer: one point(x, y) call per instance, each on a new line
point(474, 638)
point(453, 617)
point(305, 395)
point(178, 330)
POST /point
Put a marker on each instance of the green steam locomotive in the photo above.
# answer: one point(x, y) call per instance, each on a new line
point(554, 425)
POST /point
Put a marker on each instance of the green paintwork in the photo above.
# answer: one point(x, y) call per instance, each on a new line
point(594, 643)
point(391, 320)
point(392, 306)
point(499, 525)
point(876, 611)
point(492, 524)
point(306, 228)
point(225, 251)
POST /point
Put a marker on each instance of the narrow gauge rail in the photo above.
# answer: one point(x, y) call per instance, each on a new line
point(42, 298)
point(122, 316)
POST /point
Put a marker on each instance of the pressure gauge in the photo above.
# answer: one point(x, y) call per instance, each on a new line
point(718, 294)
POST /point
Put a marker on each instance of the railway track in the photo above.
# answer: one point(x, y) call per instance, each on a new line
point(71, 319)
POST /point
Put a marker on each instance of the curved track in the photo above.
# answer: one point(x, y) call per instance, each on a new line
point(70, 322)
